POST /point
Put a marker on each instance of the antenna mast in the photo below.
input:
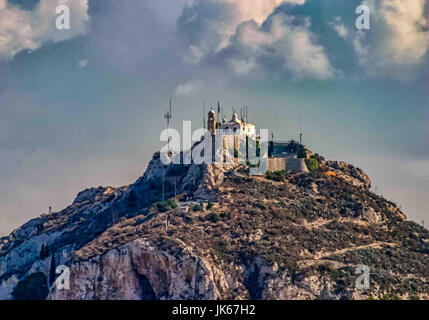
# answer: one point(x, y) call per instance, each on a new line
point(168, 116)
point(204, 114)
point(300, 129)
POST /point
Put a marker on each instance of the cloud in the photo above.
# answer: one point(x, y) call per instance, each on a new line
point(407, 36)
point(189, 88)
point(242, 67)
point(207, 25)
point(83, 63)
point(29, 29)
point(283, 43)
point(340, 28)
point(398, 38)
point(245, 37)
point(258, 10)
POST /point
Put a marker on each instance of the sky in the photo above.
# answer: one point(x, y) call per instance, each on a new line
point(84, 107)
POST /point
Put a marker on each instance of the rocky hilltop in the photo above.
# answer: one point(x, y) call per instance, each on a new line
point(222, 235)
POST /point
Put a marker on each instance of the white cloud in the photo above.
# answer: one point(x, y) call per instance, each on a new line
point(257, 10)
point(340, 28)
point(242, 67)
point(211, 23)
point(23, 29)
point(398, 38)
point(408, 38)
point(233, 31)
point(189, 88)
point(294, 45)
point(83, 63)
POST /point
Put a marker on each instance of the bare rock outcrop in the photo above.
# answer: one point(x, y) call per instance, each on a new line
point(350, 173)
point(232, 236)
point(138, 270)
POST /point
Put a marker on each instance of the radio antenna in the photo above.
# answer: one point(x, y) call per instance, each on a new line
point(204, 114)
point(168, 116)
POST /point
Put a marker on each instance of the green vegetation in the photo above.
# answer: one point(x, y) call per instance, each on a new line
point(163, 206)
point(225, 216)
point(44, 252)
point(390, 297)
point(213, 217)
point(235, 153)
point(312, 164)
point(220, 249)
point(276, 176)
point(52, 271)
point(33, 287)
point(209, 206)
point(197, 207)
point(301, 152)
point(250, 165)
point(132, 199)
point(258, 146)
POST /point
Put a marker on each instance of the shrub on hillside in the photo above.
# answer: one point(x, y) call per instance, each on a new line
point(213, 217)
point(197, 207)
point(312, 164)
point(302, 152)
point(276, 176)
point(163, 206)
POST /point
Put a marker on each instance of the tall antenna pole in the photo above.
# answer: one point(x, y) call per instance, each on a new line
point(204, 115)
point(168, 116)
point(300, 129)
point(163, 185)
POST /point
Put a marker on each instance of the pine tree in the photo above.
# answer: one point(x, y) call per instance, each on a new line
point(52, 273)
point(42, 251)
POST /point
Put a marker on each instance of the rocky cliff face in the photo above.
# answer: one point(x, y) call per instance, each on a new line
point(232, 236)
